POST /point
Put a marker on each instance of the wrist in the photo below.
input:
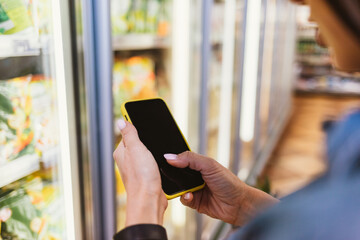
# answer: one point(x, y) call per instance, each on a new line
point(145, 208)
point(252, 202)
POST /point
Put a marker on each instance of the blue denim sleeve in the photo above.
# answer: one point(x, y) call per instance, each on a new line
point(328, 208)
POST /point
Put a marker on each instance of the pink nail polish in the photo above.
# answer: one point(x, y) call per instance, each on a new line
point(121, 124)
point(170, 156)
point(187, 196)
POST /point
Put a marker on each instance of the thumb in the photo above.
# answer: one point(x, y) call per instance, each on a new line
point(193, 199)
point(186, 199)
point(192, 160)
point(129, 133)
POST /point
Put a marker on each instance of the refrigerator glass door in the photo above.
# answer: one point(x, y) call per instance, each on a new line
point(38, 184)
point(226, 37)
point(271, 99)
point(151, 46)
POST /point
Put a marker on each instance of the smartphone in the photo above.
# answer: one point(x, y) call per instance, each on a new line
point(159, 132)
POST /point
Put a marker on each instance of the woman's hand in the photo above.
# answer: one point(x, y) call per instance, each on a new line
point(224, 196)
point(146, 201)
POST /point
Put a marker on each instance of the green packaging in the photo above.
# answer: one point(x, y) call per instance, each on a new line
point(19, 213)
point(16, 11)
point(5, 22)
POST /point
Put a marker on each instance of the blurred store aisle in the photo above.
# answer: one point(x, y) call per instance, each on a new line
point(299, 156)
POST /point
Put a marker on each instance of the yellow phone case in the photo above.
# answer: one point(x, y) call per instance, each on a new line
point(127, 118)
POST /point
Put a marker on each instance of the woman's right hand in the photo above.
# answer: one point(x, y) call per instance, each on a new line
point(224, 196)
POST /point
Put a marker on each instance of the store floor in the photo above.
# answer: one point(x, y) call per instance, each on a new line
point(299, 156)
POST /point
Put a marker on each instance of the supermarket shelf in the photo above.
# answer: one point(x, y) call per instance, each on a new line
point(328, 92)
point(329, 85)
point(12, 67)
point(320, 61)
point(19, 46)
point(139, 42)
point(18, 168)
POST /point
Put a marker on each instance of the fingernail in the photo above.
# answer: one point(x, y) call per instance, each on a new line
point(187, 196)
point(170, 156)
point(121, 124)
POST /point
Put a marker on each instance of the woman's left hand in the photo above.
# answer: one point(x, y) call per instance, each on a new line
point(146, 201)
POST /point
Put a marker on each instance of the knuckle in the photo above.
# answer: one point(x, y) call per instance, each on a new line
point(186, 155)
point(211, 163)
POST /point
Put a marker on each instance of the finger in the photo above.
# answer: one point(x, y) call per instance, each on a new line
point(129, 133)
point(191, 160)
point(186, 199)
point(192, 200)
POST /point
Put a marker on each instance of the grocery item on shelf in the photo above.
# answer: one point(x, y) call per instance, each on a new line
point(310, 53)
point(31, 209)
point(15, 127)
point(119, 10)
point(329, 84)
point(164, 19)
point(42, 16)
point(136, 16)
point(140, 16)
point(27, 119)
point(43, 113)
point(24, 27)
point(153, 11)
point(133, 78)
point(17, 12)
point(5, 22)
point(316, 74)
point(17, 214)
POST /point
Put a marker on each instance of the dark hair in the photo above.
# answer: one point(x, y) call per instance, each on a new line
point(349, 12)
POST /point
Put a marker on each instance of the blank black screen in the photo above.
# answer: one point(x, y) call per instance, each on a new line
point(159, 133)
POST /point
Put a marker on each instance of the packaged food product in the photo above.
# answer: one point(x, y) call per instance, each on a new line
point(133, 78)
point(153, 10)
point(43, 114)
point(5, 22)
point(18, 14)
point(17, 214)
point(5, 110)
point(140, 16)
point(42, 16)
point(137, 16)
point(31, 209)
point(15, 127)
point(27, 117)
point(119, 12)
